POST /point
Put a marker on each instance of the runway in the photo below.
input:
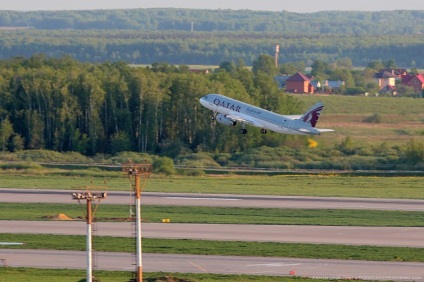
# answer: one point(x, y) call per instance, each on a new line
point(317, 268)
point(346, 235)
point(221, 200)
point(326, 269)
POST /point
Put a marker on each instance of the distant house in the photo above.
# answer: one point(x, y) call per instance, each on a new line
point(414, 80)
point(388, 89)
point(384, 78)
point(334, 83)
point(205, 71)
point(329, 86)
point(299, 83)
point(316, 84)
point(397, 72)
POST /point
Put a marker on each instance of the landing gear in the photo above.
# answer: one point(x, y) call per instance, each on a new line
point(243, 131)
point(263, 131)
point(213, 116)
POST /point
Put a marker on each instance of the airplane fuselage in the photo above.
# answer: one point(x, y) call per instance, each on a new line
point(256, 116)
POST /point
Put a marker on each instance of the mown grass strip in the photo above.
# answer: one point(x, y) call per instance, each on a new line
point(322, 185)
point(226, 248)
point(69, 275)
point(224, 215)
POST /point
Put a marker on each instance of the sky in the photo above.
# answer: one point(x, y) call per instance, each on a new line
point(306, 6)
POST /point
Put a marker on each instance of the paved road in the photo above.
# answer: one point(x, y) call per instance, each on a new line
point(348, 235)
point(318, 268)
point(186, 199)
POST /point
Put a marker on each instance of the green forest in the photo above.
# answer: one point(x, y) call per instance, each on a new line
point(326, 22)
point(106, 109)
point(209, 37)
point(64, 105)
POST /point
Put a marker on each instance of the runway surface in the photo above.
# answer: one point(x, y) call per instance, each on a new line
point(326, 269)
point(187, 199)
point(317, 268)
point(347, 235)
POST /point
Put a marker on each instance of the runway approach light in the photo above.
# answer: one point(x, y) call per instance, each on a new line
point(89, 195)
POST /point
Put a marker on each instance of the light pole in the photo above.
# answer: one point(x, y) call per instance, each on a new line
point(89, 197)
point(137, 173)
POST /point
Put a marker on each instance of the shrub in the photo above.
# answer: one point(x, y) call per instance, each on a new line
point(134, 157)
point(20, 166)
point(52, 156)
point(197, 160)
point(164, 165)
point(375, 118)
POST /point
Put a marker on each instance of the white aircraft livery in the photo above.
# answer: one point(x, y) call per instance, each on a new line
point(229, 112)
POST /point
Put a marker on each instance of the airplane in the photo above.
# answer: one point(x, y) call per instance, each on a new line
point(229, 112)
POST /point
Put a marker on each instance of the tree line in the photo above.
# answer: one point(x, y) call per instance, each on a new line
point(209, 48)
point(65, 105)
point(326, 22)
point(208, 37)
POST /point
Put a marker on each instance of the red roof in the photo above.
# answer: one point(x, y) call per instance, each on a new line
point(407, 78)
point(299, 77)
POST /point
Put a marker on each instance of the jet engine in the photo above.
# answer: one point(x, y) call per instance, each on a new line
point(224, 120)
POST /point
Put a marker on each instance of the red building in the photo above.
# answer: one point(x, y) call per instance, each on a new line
point(414, 80)
point(299, 83)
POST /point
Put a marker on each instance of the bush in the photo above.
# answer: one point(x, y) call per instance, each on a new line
point(52, 156)
point(375, 118)
point(20, 166)
point(197, 160)
point(414, 153)
point(134, 157)
point(164, 165)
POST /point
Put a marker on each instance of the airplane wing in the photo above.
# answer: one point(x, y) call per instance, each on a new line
point(312, 130)
point(293, 116)
point(245, 119)
point(324, 130)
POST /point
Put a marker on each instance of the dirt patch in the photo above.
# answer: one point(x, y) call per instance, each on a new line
point(60, 216)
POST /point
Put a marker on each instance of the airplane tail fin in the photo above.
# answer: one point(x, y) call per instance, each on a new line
point(312, 115)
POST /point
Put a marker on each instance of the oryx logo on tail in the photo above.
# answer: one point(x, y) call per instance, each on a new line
point(312, 115)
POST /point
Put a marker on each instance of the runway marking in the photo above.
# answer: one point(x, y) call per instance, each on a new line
point(190, 198)
point(199, 267)
point(10, 243)
point(274, 264)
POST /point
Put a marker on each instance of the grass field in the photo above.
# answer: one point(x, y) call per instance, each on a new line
point(226, 248)
point(401, 118)
point(220, 215)
point(66, 275)
point(321, 185)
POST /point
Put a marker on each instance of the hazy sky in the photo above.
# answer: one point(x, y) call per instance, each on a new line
point(305, 6)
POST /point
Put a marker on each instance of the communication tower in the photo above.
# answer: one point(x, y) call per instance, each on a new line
point(277, 51)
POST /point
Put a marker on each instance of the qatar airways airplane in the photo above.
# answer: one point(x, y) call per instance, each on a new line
point(229, 112)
